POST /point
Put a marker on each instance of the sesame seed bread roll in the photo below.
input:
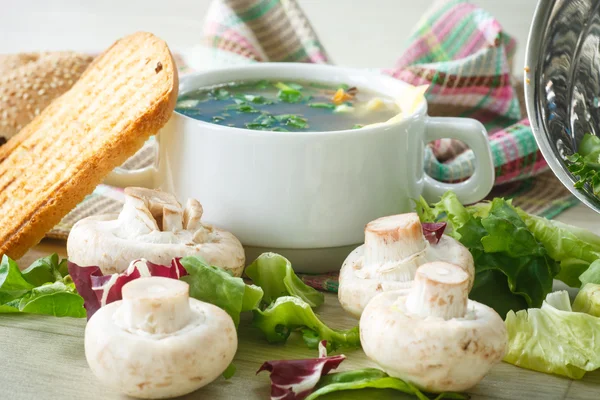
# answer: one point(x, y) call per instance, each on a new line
point(9, 62)
point(30, 81)
point(125, 96)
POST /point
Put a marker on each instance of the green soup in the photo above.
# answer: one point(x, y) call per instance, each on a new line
point(287, 106)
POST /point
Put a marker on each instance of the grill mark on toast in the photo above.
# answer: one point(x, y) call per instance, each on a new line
point(7, 184)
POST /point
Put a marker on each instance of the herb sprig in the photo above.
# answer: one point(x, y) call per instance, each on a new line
point(288, 93)
point(585, 164)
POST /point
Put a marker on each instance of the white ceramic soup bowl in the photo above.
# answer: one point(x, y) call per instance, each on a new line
point(306, 195)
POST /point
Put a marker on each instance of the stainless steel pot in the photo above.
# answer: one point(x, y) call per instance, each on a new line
point(562, 82)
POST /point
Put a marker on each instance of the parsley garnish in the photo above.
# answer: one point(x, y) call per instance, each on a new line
point(328, 106)
point(243, 98)
point(219, 94)
point(287, 93)
point(262, 84)
point(242, 108)
point(585, 164)
point(292, 120)
point(262, 122)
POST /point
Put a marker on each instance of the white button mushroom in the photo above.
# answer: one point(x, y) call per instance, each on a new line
point(157, 342)
point(154, 226)
point(394, 248)
point(432, 335)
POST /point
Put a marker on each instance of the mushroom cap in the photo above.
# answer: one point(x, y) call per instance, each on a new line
point(96, 241)
point(357, 286)
point(432, 353)
point(156, 366)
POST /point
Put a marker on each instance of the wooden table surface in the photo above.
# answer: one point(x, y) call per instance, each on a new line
point(43, 357)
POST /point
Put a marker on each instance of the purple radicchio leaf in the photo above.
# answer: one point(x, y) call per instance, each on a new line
point(433, 231)
point(82, 279)
point(296, 379)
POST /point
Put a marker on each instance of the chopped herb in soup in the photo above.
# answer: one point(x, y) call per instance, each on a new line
point(287, 106)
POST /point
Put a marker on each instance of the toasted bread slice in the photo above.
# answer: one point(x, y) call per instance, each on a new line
point(126, 95)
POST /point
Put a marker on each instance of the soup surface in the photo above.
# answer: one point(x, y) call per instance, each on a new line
point(287, 106)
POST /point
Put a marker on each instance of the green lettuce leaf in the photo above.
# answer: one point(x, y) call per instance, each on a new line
point(274, 274)
point(554, 339)
point(252, 297)
point(47, 269)
point(588, 300)
point(213, 285)
point(465, 227)
point(12, 281)
point(491, 287)
point(371, 378)
point(5, 309)
point(289, 313)
point(425, 212)
point(574, 248)
point(43, 288)
point(511, 248)
point(274, 279)
point(461, 224)
point(508, 233)
point(591, 275)
point(513, 270)
point(56, 299)
point(559, 300)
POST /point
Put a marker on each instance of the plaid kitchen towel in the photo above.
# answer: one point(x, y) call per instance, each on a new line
point(457, 48)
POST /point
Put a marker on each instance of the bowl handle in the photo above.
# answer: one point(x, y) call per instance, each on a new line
point(143, 177)
point(473, 134)
point(146, 177)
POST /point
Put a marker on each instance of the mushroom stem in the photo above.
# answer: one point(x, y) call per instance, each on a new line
point(154, 199)
point(192, 215)
point(392, 239)
point(138, 218)
point(172, 218)
point(440, 290)
point(155, 305)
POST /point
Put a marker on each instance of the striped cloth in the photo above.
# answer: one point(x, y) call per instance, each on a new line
point(457, 48)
